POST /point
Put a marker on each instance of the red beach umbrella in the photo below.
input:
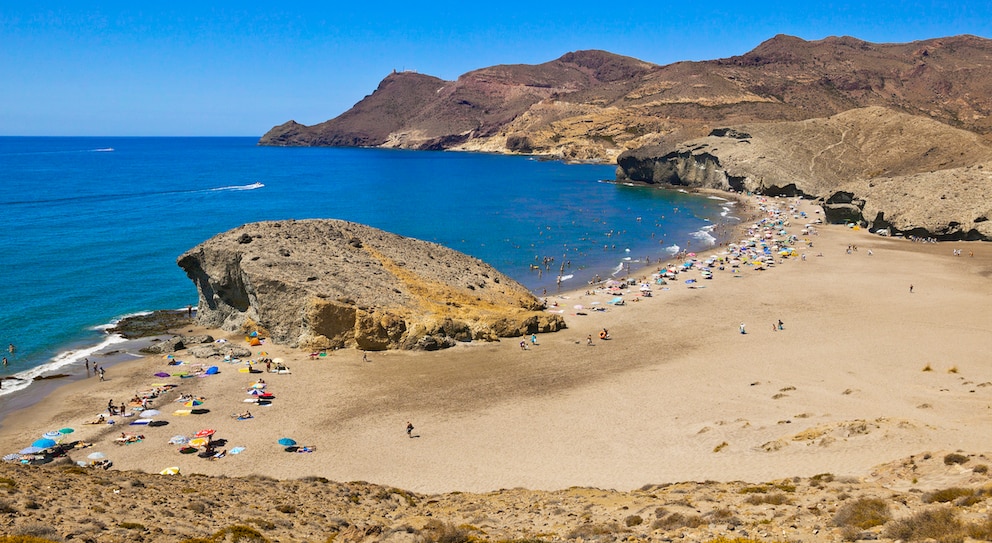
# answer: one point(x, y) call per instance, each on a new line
point(206, 432)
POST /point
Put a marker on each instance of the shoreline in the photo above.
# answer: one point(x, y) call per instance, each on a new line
point(677, 394)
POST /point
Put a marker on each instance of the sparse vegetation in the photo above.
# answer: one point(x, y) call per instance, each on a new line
point(980, 468)
point(677, 520)
point(927, 368)
point(947, 495)
point(720, 447)
point(286, 508)
point(239, 534)
point(777, 498)
point(955, 458)
point(633, 520)
point(437, 531)
point(863, 513)
point(132, 526)
point(941, 525)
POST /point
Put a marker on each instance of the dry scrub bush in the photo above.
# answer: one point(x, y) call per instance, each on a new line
point(633, 520)
point(863, 513)
point(947, 494)
point(955, 458)
point(777, 498)
point(24, 539)
point(677, 520)
point(234, 534)
point(980, 468)
point(591, 531)
point(437, 531)
point(40, 531)
point(941, 525)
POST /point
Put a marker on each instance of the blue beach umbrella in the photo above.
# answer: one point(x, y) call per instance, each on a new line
point(30, 450)
point(54, 434)
point(287, 442)
point(44, 443)
point(65, 431)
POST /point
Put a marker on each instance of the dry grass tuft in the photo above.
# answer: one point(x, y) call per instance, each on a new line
point(941, 525)
point(947, 494)
point(955, 458)
point(863, 513)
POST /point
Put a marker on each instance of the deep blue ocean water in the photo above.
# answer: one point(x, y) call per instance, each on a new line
point(91, 227)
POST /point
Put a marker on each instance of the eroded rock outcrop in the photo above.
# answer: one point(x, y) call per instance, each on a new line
point(330, 283)
point(888, 169)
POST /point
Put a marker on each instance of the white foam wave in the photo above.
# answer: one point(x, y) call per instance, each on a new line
point(116, 321)
point(566, 277)
point(23, 379)
point(104, 150)
point(717, 198)
point(704, 236)
point(251, 186)
point(674, 249)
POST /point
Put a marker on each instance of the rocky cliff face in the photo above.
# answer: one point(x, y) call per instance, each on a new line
point(891, 170)
point(327, 283)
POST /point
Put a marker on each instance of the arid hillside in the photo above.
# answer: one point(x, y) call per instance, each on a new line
point(595, 105)
point(929, 497)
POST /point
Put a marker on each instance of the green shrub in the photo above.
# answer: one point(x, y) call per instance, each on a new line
point(863, 513)
point(941, 525)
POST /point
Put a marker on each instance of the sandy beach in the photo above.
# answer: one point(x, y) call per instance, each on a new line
point(862, 372)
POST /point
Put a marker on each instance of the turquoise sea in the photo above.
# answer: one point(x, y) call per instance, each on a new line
point(91, 227)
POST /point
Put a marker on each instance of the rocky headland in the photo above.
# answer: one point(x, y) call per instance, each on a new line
point(920, 172)
point(323, 284)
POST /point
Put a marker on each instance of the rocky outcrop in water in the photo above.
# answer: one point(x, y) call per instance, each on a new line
point(327, 283)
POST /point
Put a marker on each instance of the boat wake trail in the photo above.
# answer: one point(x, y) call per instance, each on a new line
point(124, 196)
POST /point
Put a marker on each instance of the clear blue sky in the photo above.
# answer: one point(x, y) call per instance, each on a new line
point(179, 68)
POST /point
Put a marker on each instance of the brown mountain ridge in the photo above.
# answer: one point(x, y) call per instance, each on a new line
point(598, 106)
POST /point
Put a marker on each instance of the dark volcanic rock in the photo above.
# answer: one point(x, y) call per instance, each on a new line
point(328, 283)
point(156, 323)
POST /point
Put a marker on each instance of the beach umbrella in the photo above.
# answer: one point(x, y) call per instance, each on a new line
point(162, 374)
point(96, 456)
point(198, 442)
point(65, 431)
point(150, 413)
point(44, 443)
point(258, 386)
point(256, 391)
point(193, 403)
point(178, 440)
point(206, 432)
point(287, 442)
point(30, 450)
point(277, 361)
point(174, 470)
point(12, 456)
point(54, 434)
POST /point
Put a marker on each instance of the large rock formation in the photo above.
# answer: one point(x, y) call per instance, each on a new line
point(329, 283)
point(891, 170)
point(595, 105)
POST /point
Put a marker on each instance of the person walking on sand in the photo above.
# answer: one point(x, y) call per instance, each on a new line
point(589, 340)
point(742, 328)
point(365, 357)
point(781, 325)
point(409, 429)
point(910, 289)
point(533, 339)
point(101, 374)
